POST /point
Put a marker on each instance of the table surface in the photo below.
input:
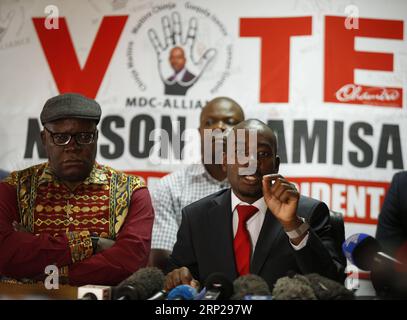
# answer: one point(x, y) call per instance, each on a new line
point(36, 292)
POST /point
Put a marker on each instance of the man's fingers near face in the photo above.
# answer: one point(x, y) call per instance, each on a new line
point(287, 195)
point(269, 181)
point(280, 189)
point(276, 181)
point(271, 177)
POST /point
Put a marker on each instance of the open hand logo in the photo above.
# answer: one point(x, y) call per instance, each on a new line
point(177, 73)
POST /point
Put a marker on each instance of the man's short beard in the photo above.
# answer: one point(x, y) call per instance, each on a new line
point(74, 178)
point(254, 193)
point(78, 177)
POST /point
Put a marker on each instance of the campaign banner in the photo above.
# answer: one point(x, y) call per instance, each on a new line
point(328, 77)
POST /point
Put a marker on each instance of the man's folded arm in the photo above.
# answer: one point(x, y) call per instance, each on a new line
point(25, 255)
point(128, 254)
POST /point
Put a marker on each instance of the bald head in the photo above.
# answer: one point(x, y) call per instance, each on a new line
point(218, 116)
point(222, 107)
point(260, 127)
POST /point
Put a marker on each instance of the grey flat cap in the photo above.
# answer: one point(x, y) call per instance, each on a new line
point(70, 105)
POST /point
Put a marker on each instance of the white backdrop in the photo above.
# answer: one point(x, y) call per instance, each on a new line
point(330, 77)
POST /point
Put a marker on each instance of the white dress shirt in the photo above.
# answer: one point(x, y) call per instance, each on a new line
point(178, 76)
point(255, 222)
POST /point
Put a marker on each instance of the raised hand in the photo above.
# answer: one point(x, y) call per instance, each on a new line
point(173, 37)
point(282, 199)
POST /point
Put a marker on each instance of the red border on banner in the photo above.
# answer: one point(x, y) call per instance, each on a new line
point(348, 182)
point(147, 174)
point(299, 180)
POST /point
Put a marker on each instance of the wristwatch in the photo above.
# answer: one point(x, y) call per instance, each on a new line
point(296, 233)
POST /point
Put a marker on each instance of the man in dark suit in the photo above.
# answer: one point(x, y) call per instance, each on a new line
point(261, 225)
point(392, 226)
point(182, 79)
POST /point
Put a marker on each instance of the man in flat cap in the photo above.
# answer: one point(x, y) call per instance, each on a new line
point(92, 222)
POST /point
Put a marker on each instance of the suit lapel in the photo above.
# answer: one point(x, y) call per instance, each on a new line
point(269, 233)
point(220, 224)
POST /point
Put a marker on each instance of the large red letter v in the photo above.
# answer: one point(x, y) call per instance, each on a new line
point(63, 62)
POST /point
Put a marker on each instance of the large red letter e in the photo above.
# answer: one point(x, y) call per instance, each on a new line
point(341, 59)
point(275, 34)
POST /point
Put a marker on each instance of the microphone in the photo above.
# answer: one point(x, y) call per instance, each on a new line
point(89, 296)
point(141, 285)
point(218, 287)
point(293, 287)
point(327, 289)
point(94, 292)
point(136, 291)
point(160, 295)
point(201, 294)
point(182, 292)
point(251, 287)
point(366, 253)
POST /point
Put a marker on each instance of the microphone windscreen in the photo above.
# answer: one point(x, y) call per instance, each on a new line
point(250, 284)
point(296, 287)
point(360, 249)
point(135, 291)
point(218, 281)
point(151, 278)
point(327, 289)
point(182, 292)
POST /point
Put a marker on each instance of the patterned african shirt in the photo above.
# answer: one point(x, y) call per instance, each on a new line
point(60, 221)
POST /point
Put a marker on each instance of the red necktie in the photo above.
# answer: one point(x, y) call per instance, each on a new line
point(242, 243)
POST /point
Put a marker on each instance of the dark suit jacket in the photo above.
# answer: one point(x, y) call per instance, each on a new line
point(392, 226)
point(205, 242)
point(176, 88)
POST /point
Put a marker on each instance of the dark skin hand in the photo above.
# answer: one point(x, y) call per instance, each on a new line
point(104, 244)
point(282, 199)
point(19, 227)
point(180, 276)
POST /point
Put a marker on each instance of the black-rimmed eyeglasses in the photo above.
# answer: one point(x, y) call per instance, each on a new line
point(62, 138)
